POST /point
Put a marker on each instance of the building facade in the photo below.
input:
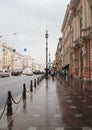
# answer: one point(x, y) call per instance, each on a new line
point(77, 39)
point(12, 60)
point(6, 57)
point(81, 54)
point(27, 62)
point(17, 61)
point(58, 55)
point(66, 41)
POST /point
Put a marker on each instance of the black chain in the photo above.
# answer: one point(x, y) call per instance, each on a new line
point(27, 90)
point(18, 101)
point(3, 111)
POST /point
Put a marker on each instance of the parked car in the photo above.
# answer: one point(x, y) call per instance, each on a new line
point(4, 73)
point(16, 72)
point(24, 72)
point(29, 73)
point(38, 72)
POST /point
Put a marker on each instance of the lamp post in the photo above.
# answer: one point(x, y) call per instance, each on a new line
point(46, 36)
point(49, 62)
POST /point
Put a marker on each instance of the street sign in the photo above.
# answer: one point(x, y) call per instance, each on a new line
point(14, 50)
point(25, 49)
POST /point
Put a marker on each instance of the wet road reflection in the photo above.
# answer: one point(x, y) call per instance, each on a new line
point(57, 104)
point(24, 105)
point(10, 122)
point(31, 96)
point(75, 101)
point(46, 83)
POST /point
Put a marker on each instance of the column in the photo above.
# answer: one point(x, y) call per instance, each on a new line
point(84, 13)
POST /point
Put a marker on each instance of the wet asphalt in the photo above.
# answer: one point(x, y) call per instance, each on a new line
point(54, 104)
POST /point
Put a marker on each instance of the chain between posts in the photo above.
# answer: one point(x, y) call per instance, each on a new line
point(27, 90)
point(15, 101)
point(3, 111)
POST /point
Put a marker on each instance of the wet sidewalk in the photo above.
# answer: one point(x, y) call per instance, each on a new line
point(53, 105)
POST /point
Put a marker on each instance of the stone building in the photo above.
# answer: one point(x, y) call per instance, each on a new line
point(18, 61)
point(6, 57)
point(27, 62)
point(66, 41)
point(10, 59)
point(58, 55)
point(77, 39)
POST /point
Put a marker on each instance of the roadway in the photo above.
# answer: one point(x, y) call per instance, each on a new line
point(15, 85)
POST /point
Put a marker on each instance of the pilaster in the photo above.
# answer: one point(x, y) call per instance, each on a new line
point(88, 14)
point(87, 70)
point(84, 14)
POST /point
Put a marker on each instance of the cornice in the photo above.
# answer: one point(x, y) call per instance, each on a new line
point(74, 4)
point(90, 2)
point(66, 17)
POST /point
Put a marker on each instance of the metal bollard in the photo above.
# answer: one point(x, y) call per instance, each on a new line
point(24, 91)
point(31, 86)
point(9, 104)
point(35, 83)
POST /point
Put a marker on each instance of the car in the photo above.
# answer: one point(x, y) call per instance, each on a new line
point(38, 72)
point(24, 72)
point(16, 72)
point(4, 73)
point(29, 73)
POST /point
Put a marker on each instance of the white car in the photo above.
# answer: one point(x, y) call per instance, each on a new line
point(24, 72)
point(4, 73)
point(29, 73)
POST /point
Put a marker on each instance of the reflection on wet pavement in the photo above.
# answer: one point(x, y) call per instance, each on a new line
point(56, 105)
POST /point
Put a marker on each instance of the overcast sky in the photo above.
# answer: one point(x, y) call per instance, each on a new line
point(30, 19)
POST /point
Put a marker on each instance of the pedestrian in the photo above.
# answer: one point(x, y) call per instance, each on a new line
point(61, 73)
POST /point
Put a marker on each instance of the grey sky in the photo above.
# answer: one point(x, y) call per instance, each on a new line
point(30, 19)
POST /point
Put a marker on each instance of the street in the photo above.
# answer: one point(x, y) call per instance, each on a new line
point(55, 104)
point(15, 85)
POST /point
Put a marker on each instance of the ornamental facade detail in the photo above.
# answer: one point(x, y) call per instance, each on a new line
point(77, 39)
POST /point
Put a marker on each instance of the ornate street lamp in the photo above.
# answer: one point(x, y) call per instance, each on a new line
point(49, 62)
point(46, 69)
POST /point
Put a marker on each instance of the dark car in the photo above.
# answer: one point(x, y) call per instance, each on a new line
point(38, 72)
point(16, 72)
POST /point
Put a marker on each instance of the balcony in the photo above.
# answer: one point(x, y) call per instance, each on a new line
point(87, 32)
point(77, 43)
